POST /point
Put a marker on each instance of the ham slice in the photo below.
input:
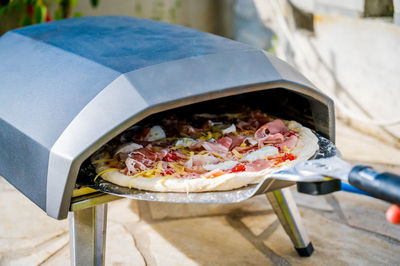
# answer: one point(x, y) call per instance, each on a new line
point(199, 160)
point(271, 128)
point(215, 148)
point(191, 131)
point(276, 126)
point(161, 154)
point(236, 141)
point(134, 166)
point(290, 142)
point(225, 141)
point(245, 149)
point(242, 125)
point(260, 117)
point(258, 165)
point(174, 156)
point(146, 156)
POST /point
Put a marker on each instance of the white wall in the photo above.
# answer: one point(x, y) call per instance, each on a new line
point(192, 13)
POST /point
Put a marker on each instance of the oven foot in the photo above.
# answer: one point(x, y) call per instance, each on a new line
point(285, 208)
point(87, 229)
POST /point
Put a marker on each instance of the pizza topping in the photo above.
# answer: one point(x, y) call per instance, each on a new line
point(238, 168)
point(144, 155)
point(250, 141)
point(185, 142)
point(230, 129)
point(225, 141)
point(262, 153)
point(283, 158)
point(236, 141)
point(271, 132)
point(105, 171)
point(289, 143)
point(133, 166)
point(155, 133)
point(258, 165)
point(213, 174)
point(276, 126)
point(204, 145)
point(173, 156)
point(128, 147)
point(199, 160)
point(222, 166)
point(215, 148)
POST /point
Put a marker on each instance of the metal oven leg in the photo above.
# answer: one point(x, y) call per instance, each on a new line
point(88, 235)
point(285, 208)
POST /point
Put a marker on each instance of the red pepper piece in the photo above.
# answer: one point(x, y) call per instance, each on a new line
point(239, 168)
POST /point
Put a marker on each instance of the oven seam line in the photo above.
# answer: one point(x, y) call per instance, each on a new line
point(192, 57)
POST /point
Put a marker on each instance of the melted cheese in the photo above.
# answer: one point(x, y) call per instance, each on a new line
point(260, 154)
point(105, 171)
point(222, 166)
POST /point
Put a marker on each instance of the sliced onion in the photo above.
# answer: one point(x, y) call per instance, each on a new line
point(155, 133)
point(230, 129)
point(128, 148)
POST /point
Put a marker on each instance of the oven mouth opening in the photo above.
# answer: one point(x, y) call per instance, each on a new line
point(278, 102)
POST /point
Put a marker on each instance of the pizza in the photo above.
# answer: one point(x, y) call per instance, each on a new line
point(203, 151)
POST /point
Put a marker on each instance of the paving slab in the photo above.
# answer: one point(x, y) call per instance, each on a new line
point(120, 250)
point(26, 231)
point(59, 258)
point(195, 241)
point(259, 223)
point(123, 211)
point(36, 255)
point(335, 244)
point(123, 249)
point(367, 213)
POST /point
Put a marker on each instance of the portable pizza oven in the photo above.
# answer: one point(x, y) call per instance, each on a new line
point(68, 87)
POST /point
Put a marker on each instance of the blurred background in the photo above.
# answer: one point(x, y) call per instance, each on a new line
point(350, 49)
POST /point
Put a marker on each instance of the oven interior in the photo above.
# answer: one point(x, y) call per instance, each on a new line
point(278, 102)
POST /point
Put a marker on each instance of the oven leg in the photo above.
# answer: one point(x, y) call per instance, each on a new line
point(285, 208)
point(88, 235)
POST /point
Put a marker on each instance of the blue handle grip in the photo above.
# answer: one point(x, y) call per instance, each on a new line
point(385, 186)
point(349, 188)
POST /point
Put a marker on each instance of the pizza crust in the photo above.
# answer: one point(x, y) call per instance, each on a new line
point(306, 147)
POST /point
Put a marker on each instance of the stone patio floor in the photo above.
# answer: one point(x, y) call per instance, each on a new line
point(346, 229)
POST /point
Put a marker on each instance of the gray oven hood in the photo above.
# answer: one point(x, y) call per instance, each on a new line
point(68, 87)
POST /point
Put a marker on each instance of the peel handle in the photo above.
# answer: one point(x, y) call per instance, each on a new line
point(385, 186)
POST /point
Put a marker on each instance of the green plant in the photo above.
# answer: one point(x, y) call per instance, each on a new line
point(37, 11)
